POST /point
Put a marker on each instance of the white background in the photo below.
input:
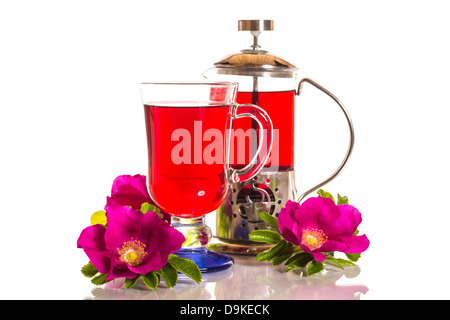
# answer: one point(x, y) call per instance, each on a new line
point(71, 120)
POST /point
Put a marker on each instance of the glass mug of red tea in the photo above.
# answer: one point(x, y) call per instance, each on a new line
point(189, 128)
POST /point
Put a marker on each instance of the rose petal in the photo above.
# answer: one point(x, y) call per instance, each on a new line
point(123, 224)
point(356, 244)
point(130, 190)
point(347, 244)
point(92, 241)
point(118, 283)
point(333, 245)
point(120, 271)
point(347, 223)
point(318, 256)
point(287, 225)
point(317, 212)
point(164, 241)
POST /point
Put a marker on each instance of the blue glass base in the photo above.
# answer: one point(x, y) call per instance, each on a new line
point(208, 261)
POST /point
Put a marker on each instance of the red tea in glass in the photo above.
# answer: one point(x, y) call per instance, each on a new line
point(187, 158)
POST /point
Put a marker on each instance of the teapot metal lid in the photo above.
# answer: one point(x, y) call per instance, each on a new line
point(255, 62)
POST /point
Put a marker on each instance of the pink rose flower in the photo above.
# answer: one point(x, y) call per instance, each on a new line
point(319, 225)
point(132, 191)
point(133, 243)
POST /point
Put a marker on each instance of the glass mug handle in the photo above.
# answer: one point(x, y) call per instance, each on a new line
point(265, 138)
point(352, 135)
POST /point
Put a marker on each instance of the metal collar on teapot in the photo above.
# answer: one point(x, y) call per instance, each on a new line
point(254, 61)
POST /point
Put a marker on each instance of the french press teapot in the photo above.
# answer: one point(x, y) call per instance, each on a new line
point(271, 83)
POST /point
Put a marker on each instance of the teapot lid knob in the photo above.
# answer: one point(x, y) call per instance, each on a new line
point(255, 25)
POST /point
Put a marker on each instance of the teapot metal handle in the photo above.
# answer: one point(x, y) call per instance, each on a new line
point(352, 135)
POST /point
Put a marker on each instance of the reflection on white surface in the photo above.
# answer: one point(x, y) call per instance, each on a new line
point(247, 280)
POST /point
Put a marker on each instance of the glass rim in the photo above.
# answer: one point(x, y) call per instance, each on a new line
point(193, 83)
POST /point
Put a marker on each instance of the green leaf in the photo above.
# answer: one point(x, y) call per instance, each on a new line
point(267, 236)
point(151, 280)
point(169, 274)
point(325, 194)
point(187, 267)
point(284, 255)
point(353, 256)
point(270, 220)
point(342, 200)
point(98, 217)
point(300, 260)
point(100, 279)
point(281, 258)
point(272, 252)
point(146, 207)
point(314, 267)
point(131, 282)
point(298, 255)
point(89, 270)
point(333, 262)
point(344, 262)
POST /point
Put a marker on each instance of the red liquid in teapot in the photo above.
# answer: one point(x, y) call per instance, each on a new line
point(280, 107)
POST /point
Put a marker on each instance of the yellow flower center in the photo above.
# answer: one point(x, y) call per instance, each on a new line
point(131, 256)
point(313, 238)
point(132, 252)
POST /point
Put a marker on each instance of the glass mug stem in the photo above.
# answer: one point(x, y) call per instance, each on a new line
point(195, 231)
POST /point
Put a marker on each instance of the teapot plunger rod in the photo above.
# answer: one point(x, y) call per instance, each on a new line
point(255, 35)
point(255, 98)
